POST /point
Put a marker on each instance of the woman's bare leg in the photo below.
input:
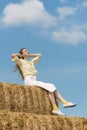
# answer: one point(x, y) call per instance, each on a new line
point(52, 98)
point(64, 102)
point(53, 101)
point(54, 105)
point(59, 97)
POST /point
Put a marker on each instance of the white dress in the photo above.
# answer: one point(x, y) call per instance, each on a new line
point(32, 81)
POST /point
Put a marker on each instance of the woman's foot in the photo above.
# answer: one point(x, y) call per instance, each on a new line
point(69, 104)
point(58, 112)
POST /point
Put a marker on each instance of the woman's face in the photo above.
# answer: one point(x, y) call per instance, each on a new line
point(25, 53)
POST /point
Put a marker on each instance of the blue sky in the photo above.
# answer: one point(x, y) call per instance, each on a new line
point(58, 30)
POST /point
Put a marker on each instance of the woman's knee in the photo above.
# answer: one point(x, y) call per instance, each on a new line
point(51, 93)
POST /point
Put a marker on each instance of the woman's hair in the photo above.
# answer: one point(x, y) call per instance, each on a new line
point(21, 52)
point(17, 66)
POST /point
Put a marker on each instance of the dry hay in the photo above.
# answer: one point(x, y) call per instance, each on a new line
point(19, 98)
point(27, 121)
point(29, 108)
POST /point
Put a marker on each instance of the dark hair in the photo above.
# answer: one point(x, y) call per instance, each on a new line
point(17, 66)
point(21, 52)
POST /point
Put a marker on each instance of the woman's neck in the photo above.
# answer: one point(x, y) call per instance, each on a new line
point(25, 58)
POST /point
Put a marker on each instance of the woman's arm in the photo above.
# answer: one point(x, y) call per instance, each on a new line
point(35, 55)
point(16, 55)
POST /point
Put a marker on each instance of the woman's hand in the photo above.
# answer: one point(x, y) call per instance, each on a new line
point(34, 55)
point(16, 54)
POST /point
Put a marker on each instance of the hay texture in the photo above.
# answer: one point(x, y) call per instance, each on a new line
point(18, 98)
point(26, 121)
point(29, 108)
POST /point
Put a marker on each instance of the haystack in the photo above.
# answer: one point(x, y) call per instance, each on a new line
point(29, 108)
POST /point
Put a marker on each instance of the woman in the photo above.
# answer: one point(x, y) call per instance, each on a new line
point(28, 72)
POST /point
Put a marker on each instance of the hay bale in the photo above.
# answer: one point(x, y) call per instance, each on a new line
point(29, 108)
point(19, 98)
point(26, 121)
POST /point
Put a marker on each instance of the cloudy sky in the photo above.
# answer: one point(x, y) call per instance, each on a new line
point(58, 30)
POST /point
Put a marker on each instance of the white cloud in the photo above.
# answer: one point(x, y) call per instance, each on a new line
point(66, 11)
point(29, 11)
point(69, 36)
point(84, 4)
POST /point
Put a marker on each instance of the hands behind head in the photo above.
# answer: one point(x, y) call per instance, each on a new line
point(19, 55)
